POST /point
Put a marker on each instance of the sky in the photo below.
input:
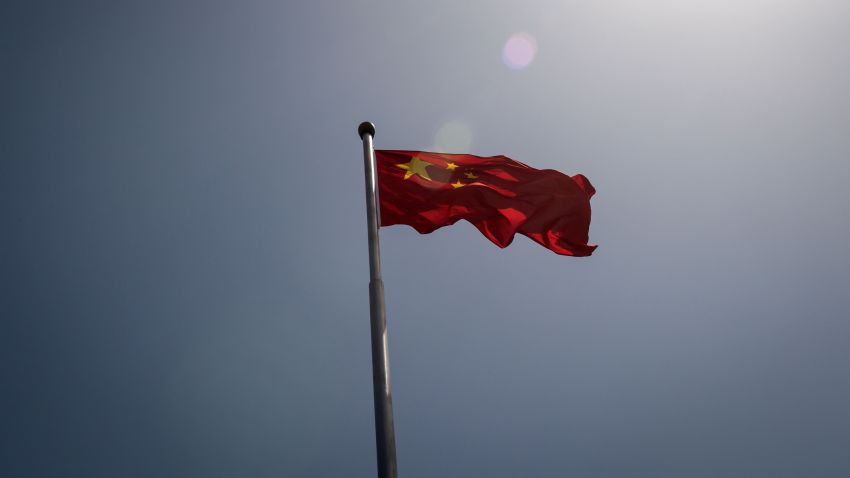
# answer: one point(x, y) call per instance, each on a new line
point(183, 258)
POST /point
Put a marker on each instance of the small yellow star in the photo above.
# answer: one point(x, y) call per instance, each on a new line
point(451, 166)
point(470, 175)
point(458, 184)
point(416, 166)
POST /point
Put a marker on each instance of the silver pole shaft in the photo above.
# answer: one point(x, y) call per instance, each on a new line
point(384, 430)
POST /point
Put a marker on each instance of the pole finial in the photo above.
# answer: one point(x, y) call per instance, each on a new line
point(366, 127)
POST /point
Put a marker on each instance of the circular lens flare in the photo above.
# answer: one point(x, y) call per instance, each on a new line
point(453, 137)
point(519, 51)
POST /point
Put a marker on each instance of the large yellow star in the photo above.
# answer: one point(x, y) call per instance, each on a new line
point(416, 166)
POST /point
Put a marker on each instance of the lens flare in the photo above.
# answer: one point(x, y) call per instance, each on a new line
point(519, 51)
point(453, 137)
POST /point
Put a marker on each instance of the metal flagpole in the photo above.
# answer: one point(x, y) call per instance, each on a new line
point(384, 432)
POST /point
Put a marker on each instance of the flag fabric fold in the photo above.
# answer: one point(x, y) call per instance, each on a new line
point(499, 196)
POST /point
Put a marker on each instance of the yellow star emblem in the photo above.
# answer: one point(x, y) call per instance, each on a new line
point(458, 184)
point(470, 175)
point(451, 166)
point(416, 166)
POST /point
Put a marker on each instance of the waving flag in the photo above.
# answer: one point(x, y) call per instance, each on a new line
point(499, 196)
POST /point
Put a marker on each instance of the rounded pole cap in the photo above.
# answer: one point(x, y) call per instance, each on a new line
point(366, 127)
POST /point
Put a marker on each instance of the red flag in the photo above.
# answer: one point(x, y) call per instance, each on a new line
point(499, 196)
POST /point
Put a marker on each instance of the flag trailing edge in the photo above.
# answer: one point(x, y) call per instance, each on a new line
point(498, 195)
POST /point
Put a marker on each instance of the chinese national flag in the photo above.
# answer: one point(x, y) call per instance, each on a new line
point(499, 196)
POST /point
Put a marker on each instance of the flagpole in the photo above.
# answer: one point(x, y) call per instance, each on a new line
point(384, 432)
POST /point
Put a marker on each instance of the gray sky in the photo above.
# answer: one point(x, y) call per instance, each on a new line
point(184, 268)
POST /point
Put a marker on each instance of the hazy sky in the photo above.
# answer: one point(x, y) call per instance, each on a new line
point(183, 261)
